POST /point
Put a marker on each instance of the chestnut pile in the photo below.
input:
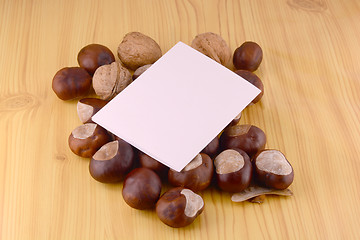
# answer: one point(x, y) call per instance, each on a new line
point(236, 161)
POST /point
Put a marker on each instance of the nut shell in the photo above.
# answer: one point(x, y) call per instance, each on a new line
point(212, 149)
point(196, 179)
point(254, 80)
point(171, 209)
point(248, 56)
point(111, 79)
point(213, 46)
point(93, 56)
point(112, 168)
point(142, 188)
point(148, 162)
point(71, 82)
point(137, 49)
point(86, 147)
point(87, 107)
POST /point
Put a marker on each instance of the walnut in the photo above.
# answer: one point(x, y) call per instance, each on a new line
point(213, 46)
point(137, 49)
point(110, 79)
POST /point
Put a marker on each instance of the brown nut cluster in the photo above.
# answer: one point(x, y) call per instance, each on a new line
point(196, 175)
point(112, 162)
point(137, 49)
point(71, 82)
point(93, 56)
point(213, 46)
point(111, 79)
point(142, 188)
point(87, 107)
point(86, 139)
point(248, 56)
point(179, 207)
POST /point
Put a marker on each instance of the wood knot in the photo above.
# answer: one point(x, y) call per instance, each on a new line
point(18, 102)
point(308, 5)
point(61, 157)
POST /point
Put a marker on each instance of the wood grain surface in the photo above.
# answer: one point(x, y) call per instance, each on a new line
point(310, 111)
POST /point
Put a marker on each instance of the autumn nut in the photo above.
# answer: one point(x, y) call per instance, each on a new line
point(86, 139)
point(93, 56)
point(179, 207)
point(137, 49)
point(111, 79)
point(213, 46)
point(142, 188)
point(272, 169)
point(196, 175)
point(140, 71)
point(71, 82)
point(148, 162)
point(112, 162)
point(248, 138)
point(212, 149)
point(87, 107)
point(248, 56)
point(233, 170)
point(254, 80)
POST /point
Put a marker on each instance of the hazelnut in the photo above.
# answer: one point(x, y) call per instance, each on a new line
point(142, 188)
point(272, 169)
point(148, 162)
point(86, 139)
point(233, 170)
point(87, 107)
point(196, 175)
point(179, 207)
point(110, 79)
point(112, 162)
point(212, 149)
point(248, 56)
point(137, 49)
point(213, 46)
point(71, 82)
point(254, 80)
point(140, 71)
point(93, 56)
point(248, 138)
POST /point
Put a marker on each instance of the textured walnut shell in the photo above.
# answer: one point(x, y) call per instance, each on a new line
point(213, 46)
point(71, 82)
point(137, 49)
point(111, 79)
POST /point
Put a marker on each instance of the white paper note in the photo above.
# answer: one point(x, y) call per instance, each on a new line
point(175, 108)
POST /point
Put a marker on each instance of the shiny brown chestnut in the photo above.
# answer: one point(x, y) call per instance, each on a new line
point(248, 56)
point(254, 80)
point(71, 82)
point(148, 162)
point(112, 162)
point(142, 188)
point(248, 138)
point(87, 107)
point(233, 170)
point(179, 207)
point(196, 175)
point(93, 56)
point(86, 139)
point(212, 149)
point(272, 169)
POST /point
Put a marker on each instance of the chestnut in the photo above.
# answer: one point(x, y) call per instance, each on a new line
point(248, 56)
point(248, 138)
point(212, 149)
point(142, 188)
point(233, 170)
point(86, 139)
point(254, 80)
point(93, 56)
point(112, 162)
point(196, 175)
point(179, 207)
point(71, 82)
point(87, 107)
point(148, 162)
point(140, 71)
point(272, 169)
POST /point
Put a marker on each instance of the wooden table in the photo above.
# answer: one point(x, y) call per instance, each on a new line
point(310, 111)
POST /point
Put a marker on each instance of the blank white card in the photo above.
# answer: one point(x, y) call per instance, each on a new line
point(175, 108)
